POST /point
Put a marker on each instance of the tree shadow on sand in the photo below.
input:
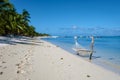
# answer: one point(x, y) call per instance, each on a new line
point(14, 41)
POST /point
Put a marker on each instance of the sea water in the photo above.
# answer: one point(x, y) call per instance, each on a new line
point(107, 49)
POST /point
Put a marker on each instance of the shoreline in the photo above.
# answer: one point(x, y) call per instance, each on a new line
point(106, 64)
point(100, 62)
point(33, 59)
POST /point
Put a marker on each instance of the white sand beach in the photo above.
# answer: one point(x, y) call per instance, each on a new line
point(32, 59)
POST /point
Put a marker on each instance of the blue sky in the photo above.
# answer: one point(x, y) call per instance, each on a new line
point(73, 17)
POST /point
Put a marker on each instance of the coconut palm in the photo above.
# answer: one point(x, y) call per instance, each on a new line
point(11, 22)
point(6, 10)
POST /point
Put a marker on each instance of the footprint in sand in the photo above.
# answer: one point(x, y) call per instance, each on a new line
point(5, 67)
point(0, 56)
point(61, 58)
point(3, 62)
point(21, 71)
point(88, 76)
point(18, 71)
point(1, 73)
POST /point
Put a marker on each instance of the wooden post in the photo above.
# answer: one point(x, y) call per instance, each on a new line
point(91, 47)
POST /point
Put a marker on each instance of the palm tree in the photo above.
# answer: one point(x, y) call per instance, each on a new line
point(10, 19)
point(11, 22)
point(6, 10)
point(4, 1)
point(26, 16)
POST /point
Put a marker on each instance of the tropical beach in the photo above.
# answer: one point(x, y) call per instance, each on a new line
point(34, 59)
point(59, 40)
point(106, 49)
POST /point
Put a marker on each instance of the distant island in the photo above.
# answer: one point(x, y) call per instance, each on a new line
point(14, 23)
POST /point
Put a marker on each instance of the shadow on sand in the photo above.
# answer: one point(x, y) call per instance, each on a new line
point(14, 41)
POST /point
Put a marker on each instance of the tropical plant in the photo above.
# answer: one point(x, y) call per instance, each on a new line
point(13, 23)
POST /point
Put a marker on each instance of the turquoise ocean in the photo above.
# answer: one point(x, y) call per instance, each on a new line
point(107, 49)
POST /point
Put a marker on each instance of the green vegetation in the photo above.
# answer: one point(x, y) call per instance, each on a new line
point(14, 23)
